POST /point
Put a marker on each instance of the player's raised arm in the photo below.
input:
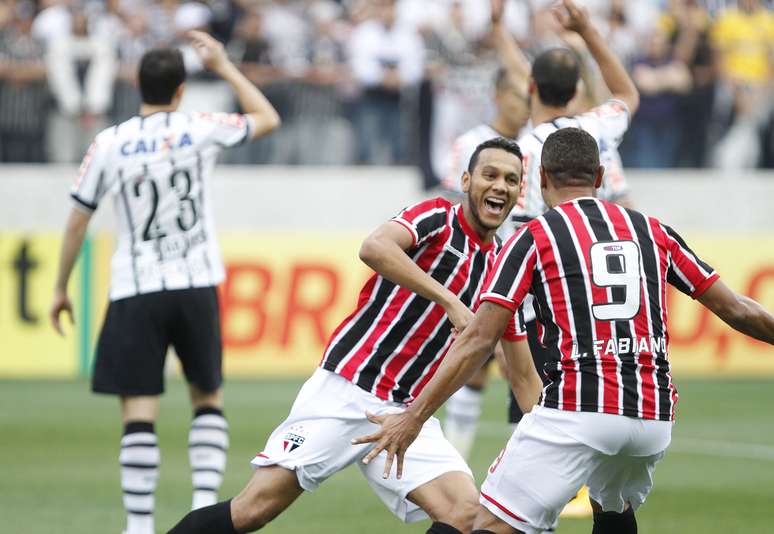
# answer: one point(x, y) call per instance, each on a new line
point(574, 18)
point(72, 241)
point(514, 60)
point(384, 251)
point(252, 101)
point(739, 312)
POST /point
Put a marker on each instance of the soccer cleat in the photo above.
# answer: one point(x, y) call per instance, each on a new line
point(579, 506)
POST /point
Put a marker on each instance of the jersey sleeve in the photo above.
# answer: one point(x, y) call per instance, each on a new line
point(686, 271)
point(90, 186)
point(612, 120)
point(226, 129)
point(425, 220)
point(511, 278)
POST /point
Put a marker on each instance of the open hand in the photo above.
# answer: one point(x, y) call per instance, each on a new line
point(572, 17)
point(210, 50)
point(397, 432)
point(61, 304)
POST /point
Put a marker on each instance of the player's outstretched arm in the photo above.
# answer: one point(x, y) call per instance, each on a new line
point(574, 18)
point(519, 369)
point(513, 58)
point(252, 101)
point(739, 312)
point(72, 241)
point(384, 251)
point(466, 355)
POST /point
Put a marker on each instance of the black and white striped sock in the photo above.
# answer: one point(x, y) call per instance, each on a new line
point(207, 447)
point(139, 460)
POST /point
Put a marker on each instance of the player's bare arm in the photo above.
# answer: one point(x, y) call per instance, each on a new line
point(576, 19)
point(739, 312)
point(519, 369)
point(384, 251)
point(465, 357)
point(513, 58)
point(75, 231)
point(252, 101)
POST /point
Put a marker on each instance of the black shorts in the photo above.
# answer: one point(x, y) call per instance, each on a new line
point(539, 356)
point(138, 330)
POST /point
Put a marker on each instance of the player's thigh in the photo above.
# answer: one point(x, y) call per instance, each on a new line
point(268, 493)
point(618, 481)
point(132, 347)
point(314, 440)
point(196, 336)
point(435, 479)
point(537, 473)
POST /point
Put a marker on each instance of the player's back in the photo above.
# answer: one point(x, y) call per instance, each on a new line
point(606, 123)
point(157, 169)
point(599, 274)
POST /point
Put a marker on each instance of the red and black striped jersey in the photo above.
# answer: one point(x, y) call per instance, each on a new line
point(395, 339)
point(598, 273)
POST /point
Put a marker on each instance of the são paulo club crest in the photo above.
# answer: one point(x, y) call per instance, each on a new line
point(293, 439)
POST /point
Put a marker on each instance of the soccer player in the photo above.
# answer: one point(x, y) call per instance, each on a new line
point(157, 166)
point(430, 262)
point(598, 273)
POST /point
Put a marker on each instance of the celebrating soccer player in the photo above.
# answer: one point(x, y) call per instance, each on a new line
point(157, 167)
point(431, 261)
point(598, 273)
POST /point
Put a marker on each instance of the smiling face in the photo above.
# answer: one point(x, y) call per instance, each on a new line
point(493, 188)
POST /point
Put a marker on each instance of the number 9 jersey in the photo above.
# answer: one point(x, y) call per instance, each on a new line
point(598, 274)
point(158, 170)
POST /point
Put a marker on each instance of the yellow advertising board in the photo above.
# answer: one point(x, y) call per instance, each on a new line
point(285, 293)
point(28, 345)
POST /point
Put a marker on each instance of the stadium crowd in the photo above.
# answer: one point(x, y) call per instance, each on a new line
point(384, 81)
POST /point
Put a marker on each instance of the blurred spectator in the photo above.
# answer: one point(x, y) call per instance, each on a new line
point(386, 60)
point(688, 25)
point(744, 40)
point(24, 95)
point(462, 71)
point(661, 78)
point(81, 70)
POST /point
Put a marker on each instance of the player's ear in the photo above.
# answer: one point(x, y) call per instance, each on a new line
point(465, 181)
point(598, 179)
point(543, 178)
point(532, 88)
point(179, 92)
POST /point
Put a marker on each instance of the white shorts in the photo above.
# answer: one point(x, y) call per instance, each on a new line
point(553, 453)
point(314, 441)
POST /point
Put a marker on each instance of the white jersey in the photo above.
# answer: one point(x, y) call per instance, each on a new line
point(158, 170)
point(607, 123)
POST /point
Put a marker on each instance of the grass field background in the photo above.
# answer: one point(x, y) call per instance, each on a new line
point(59, 472)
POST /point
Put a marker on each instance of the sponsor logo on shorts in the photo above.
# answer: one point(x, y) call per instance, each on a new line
point(293, 439)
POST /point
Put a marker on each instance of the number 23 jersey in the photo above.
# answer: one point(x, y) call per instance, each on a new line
point(158, 170)
point(599, 273)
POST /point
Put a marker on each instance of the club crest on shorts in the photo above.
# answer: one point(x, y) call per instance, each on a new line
point(293, 439)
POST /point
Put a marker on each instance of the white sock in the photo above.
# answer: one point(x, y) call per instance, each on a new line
point(207, 447)
point(463, 410)
point(140, 459)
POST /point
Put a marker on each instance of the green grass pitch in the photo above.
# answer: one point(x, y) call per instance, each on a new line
point(59, 450)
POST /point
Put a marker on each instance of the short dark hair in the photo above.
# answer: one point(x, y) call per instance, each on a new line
point(570, 157)
point(498, 142)
point(556, 73)
point(161, 72)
